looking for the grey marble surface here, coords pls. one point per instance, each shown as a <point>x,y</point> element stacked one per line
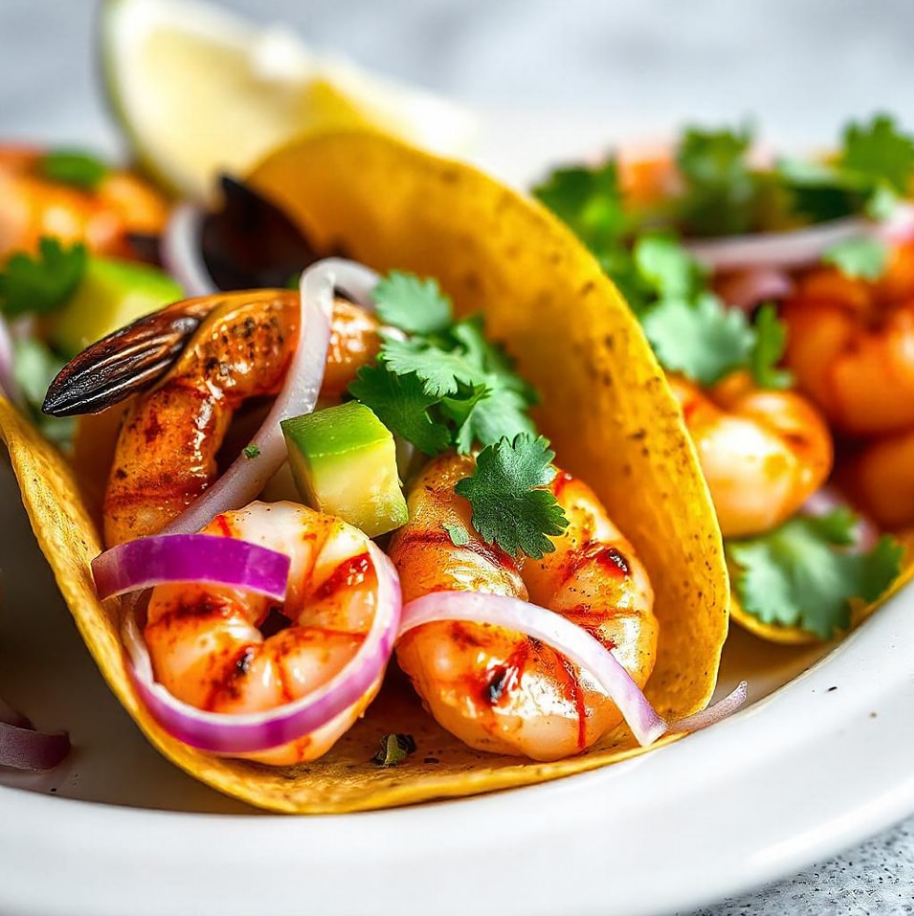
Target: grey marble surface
<point>799,66</point>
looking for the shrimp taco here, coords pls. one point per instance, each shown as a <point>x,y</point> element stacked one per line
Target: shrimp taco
<point>549,575</point>
<point>777,295</point>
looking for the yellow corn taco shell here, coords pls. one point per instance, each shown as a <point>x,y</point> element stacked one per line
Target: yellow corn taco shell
<point>605,406</point>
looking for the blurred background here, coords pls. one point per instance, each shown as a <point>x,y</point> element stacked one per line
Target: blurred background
<point>620,69</point>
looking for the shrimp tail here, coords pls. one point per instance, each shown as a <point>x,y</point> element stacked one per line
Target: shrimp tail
<point>126,362</point>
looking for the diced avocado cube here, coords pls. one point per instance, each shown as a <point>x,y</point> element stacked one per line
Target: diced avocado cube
<point>111,294</point>
<point>344,463</point>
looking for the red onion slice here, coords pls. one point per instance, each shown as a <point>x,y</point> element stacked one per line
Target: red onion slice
<point>798,247</point>
<point>23,748</point>
<point>152,561</point>
<point>255,732</point>
<point>181,253</point>
<point>745,289</point>
<point>10,716</point>
<point>575,644</point>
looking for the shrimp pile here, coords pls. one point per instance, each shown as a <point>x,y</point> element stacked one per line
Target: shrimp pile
<point>167,450</point>
<point>496,690</point>
<point>207,647</point>
<point>33,206</point>
<point>763,453</point>
<point>850,344</point>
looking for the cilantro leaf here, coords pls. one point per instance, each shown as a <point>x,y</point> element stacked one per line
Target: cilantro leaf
<point>798,575</point>
<point>441,371</point>
<point>509,507</point>
<point>770,340</point>
<point>864,257</point>
<point>493,414</point>
<point>251,451</point>
<point>721,189</point>
<point>446,384</point>
<point>874,166</point>
<point>412,304</point>
<point>667,267</point>
<point>589,201</point>
<point>402,405</point>
<point>41,284</point>
<point>73,167</point>
<point>879,151</point>
<point>703,341</point>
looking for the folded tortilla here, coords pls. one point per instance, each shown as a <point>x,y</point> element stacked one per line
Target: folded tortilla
<point>605,406</point>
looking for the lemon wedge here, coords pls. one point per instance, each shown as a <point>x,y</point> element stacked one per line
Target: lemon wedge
<point>200,91</point>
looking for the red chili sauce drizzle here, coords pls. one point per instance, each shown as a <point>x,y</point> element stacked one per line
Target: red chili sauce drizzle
<point>348,574</point>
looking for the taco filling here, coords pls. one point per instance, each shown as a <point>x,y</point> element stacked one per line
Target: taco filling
<point>295,486</point>
<point>776,294</point>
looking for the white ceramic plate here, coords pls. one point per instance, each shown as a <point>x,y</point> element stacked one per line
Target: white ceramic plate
<point>823,757</point>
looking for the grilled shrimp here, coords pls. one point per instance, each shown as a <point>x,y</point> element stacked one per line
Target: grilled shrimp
<point>167,449</point>
<point>206,644</point>
<point>762,453</point>
<point>32,206</point>
<point>497,690</point>
<point>851,346</point>
<point>879,478</point>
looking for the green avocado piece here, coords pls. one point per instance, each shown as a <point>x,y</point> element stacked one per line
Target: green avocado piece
<point>111,294</point>
<point>344,463</point>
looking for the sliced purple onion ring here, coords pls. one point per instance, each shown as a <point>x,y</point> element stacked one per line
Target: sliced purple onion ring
<point>575,644</point>
<point>745,289</point>
<point>24,748</point>
<point>798,247</point>
<point>254,732</point>
<point>216,560</point>
<point>181,253</point>
<point>247,477</point>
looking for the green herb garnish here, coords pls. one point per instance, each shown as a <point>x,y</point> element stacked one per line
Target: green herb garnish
<point>41,284</point>
<point>73,167</point>
<point>703,340</point>
<point>589,201</point>
<point>447,386</point>
<point>509,507</point>
<point>413,305</point>
<point>252,451</point>
<point>802,575</point>
<point>721,189</point>
<point>860,257</point>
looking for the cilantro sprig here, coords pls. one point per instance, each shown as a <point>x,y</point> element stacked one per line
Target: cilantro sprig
<point>722,192</point>
<point>510,508</point>
<point>689,327</point>
<point>873,168</point>
<point>447,386</point>
<point>42,283</point>
<point>804,575</point>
